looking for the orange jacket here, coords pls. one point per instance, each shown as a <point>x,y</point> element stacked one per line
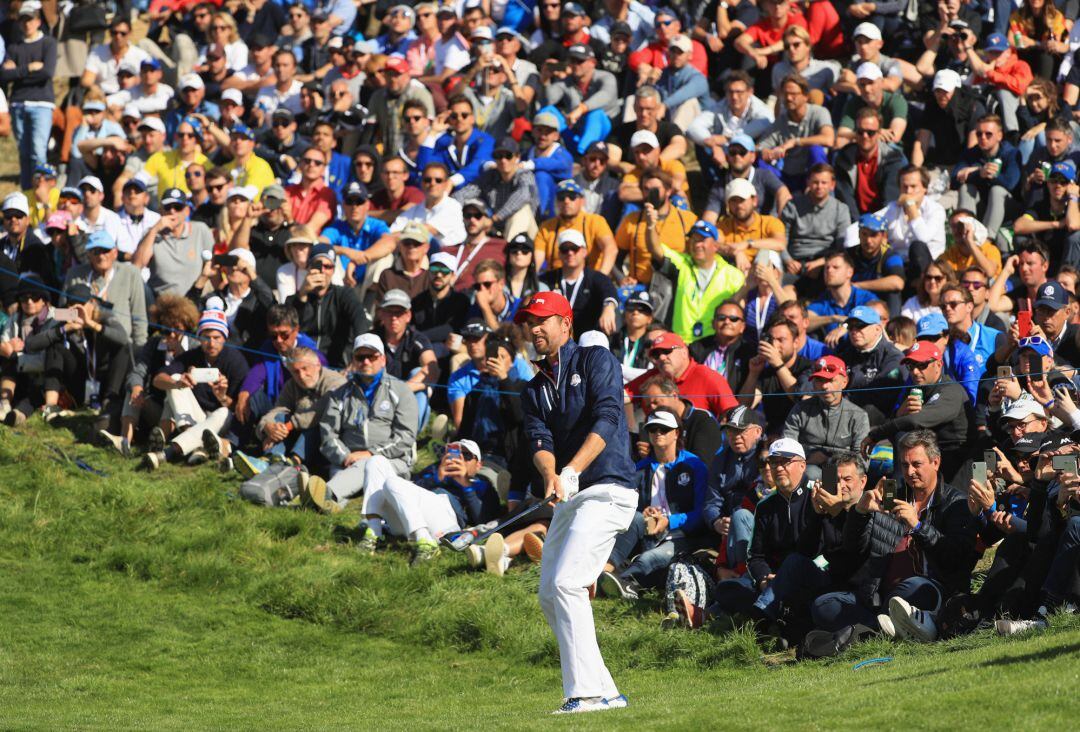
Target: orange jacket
<point>1014,74</point>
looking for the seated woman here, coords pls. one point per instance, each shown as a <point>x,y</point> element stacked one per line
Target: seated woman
<point>144,404</point>
<point>672,484</point>
<point>34,361</point>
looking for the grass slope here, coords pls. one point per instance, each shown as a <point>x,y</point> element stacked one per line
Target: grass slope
<point>160,601</point>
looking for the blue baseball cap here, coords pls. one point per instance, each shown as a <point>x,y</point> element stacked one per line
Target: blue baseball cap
<point>150,63</point>
<point>174,195</point>
<point>71,192</point>
<point>100,240</point>
<point>242,130</point>
<point>136,182</point>
<point>933,324</point>
<point>1038,344</point>
<point>865,314</point>
<point>704,229</point>
<point>570,185</point>
<point>1052,295</point>
<point>665,10</point>
<point>995,42</point>
<point>46,170</point>
<point>743,140</point>
<point>1064,168</point>
<point>872,222</point>
<point>322,250</point>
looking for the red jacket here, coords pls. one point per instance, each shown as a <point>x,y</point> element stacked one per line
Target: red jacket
<point>655,54</point>
<point>1013,74</point>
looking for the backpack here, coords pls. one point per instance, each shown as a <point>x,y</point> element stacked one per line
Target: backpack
<point>275,486</point>
<point>692,579</point>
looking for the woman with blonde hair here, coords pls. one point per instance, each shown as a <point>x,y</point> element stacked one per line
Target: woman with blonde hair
<point>223,31</point>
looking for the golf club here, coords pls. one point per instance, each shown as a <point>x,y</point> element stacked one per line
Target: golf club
<point>461,541</point>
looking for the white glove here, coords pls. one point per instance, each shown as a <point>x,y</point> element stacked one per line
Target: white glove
<point>489,165</point>
<point>568,479</point>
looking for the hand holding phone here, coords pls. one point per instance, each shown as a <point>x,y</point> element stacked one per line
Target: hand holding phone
<point>1023,322</point>
<point>205,375</point>
<point>888,495</point>
<point>830,480</point>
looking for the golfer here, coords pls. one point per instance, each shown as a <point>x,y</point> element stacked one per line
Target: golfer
<point>575,423</point>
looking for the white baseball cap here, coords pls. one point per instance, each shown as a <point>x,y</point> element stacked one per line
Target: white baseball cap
<point>93,181</point>
<point>244,254</point>
<point>446,259</point>
<point>739,188</point>
<point>786,447</point>
<point>867,30</point>
<point>246,192</point>
<point>192,81</point>
<point>1023,408</point>
<point>868,71</point>
<point>16,202</point>
<point>663,418</point>
<point>571,236</point>
<point>644,137</point>
<point>681,42</point>
<point>469,446</point>
<point>132,111</point>
<point>153,123</point>
<point>947,80</point>
<point>232,95</point>
<point>594,338</point>
<point>369,340</point>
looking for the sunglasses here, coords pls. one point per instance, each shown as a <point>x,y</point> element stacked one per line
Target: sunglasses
<point>934,278</point>
<point>568,249</point>
<point>429,179</point>
<point>658,429</point>
<point>281,335</point>
<point>31,298</point>
<point>8,215</point>
<point>666,23</point>
<point>728,318</point>
<point>972,285</point>
<point>364,164</point>
<point>439,271</point>
<point>365,357</point>
<point>518,250</point>
<point>413,117</point>
<point>950,304</point>
<point>867,133</point>
<point>312,161</point>
<point>477,286</point>
<point>282,122</point>
<point>568,196</point>
<point>502,156</point>
<point>918,366</point>
<point>658,352</point>
<point>459,115</point>
<point>186,134</point>
<point>472,215</point>
<point>218,187</point>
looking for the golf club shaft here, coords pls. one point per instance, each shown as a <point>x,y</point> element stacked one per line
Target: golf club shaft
<point>515,518</point>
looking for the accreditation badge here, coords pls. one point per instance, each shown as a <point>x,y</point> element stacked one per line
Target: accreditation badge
<point>698,330</point>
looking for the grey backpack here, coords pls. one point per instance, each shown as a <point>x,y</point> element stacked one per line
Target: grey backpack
<point>275,486</point>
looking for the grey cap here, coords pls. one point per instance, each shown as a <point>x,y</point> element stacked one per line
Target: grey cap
<point>396,299</point>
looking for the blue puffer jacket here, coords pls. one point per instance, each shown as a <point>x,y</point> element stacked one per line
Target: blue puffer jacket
<point>584,395</point>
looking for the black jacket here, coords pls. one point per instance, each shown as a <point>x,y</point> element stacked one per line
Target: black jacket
<point>945,539</point>
<point>510,447</point>
<point>592,292</point>
<point>946,410</point>
<point>778,526</point>
<point>703,433</point>
<point>878,367</point>
<point>333,320</point>
<point>736,357</point>
<point>890,160</point>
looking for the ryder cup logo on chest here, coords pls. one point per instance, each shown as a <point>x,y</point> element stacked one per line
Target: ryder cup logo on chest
<point>384,406</point>
<point>575,380</point>
<point>683,479</point>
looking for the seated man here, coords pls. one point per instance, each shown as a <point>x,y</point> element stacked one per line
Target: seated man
<point>743,231</point>
<point>868,171</point>
<point>970,246</point>
<point>841,297</point>
<point>1055,218</point>
<point>873,363</point>
<point>929,531</point>
<point>587,99</point>
<point>590,293</point>
<point>740,156</point>
<point>735,486</point>
<point>463,149</point>
<point>700,263</point>
<point>988,174</point>
<point>475,335</point>
<point>409,353</point>
<point>701,432</point>
<point>291,429</point>
<point>672,225</point>
<point>201,386</point>
<point>827,424</point>
<point>705,388</point>
<point>891,107</point>
<point>878,269</point>
<point>815,222</point>
<point>671,484</point>
<point>449,497</point>
<point>330,314</point>
<point>372,414</point>
<point>948,123</point>
<point>570,213</point>
<point>801,135</point>
<point>777,375</point>
<point>726,351</point>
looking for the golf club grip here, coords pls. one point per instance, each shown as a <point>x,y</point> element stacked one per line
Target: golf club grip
<point>515,518</point>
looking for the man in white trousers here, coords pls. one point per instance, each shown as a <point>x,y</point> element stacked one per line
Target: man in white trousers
<point>576,426</point>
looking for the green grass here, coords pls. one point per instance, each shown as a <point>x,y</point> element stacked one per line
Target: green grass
<point>161,601</point>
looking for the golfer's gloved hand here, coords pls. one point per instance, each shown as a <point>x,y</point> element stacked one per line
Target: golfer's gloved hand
<point>568,479</point>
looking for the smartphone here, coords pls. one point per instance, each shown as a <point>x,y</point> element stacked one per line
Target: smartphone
<point>888,495</point>
<point>225,260</point>
<point>65,315</point>
<point>1023,320</point>
<point>653,197</point>
<point>979,472</point>
<point>1064,464</point>
<point>1035,367</point>
<point>1004,372</point>
<point>205,375</point>
<point>830,481</point>
<point>453,453</point>
<point>492,348</point>
<point>990,458</point>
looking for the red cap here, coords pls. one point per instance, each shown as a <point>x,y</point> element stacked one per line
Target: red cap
<point>398,64</point>
<point>667,340</point>
<point>923,352</point>
<point>827,367</point>
<point>543,305</point>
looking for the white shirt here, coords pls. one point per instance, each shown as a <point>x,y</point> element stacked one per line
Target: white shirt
<point>236,55</point>
<point>445,217</point>
<point>107,221</point>
<point>106,67</point>
<point>132,233</point>
<point>755,121</point>
<point>929,228</point>
<point>290,278</point>
<point>452,54</point>
<point>155,103</point>
<point>270,98</point>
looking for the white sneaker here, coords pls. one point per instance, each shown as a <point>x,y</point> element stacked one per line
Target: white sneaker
<point>475,555</point>
<point>116,442</point>
<point>618,702</point>
<point>494,553</point>
<point>578,705</point>
<point>915,623</point>
<point>153,460</point>
<point>1015,627</point>
<point>888,629</point>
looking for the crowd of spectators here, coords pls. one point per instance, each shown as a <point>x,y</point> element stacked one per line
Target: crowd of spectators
<point>834,246</point>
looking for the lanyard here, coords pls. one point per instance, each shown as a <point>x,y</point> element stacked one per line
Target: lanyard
<point>108,281</point>
<point>699,291</point>
<point>572,296</point>
<point>760,311</point>
<point>460,266</point>
<point>630,351</point>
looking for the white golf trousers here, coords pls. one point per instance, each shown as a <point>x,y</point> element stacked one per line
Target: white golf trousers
<point>578,543</point>
<point>404,506</point>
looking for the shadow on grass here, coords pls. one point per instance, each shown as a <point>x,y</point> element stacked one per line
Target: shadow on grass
<point>1043,655</point>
